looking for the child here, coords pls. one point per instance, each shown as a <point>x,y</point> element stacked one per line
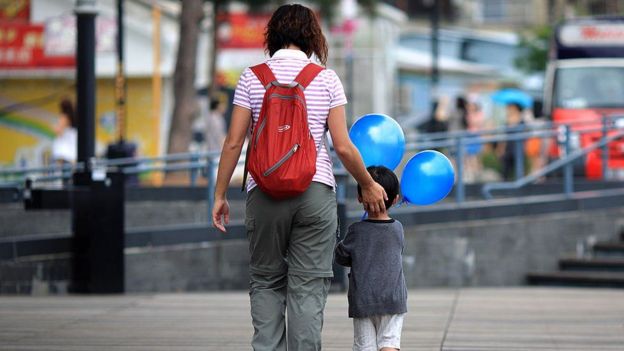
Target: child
<point>377,293</point>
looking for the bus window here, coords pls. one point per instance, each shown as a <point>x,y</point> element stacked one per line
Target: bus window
<point>589,87</point>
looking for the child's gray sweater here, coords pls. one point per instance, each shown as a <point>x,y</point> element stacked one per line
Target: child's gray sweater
<point>373,249</point>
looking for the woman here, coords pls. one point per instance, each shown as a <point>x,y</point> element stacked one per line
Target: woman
<point>291,241</point>
<point>507,150</point>
<point>64,147</point>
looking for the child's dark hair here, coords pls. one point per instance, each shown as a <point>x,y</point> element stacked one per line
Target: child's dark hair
<point>387,179</point>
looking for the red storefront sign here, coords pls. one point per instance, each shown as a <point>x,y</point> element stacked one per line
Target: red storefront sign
<point>599,34</point>
<point>242,31</point>
<point>22,46</point>
<point>15,10</point>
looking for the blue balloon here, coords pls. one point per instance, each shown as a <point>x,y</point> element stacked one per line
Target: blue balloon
<point>427,178</point>
<point>380,140</point>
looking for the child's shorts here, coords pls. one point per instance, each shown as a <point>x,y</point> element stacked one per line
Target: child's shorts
<point>376,332</point>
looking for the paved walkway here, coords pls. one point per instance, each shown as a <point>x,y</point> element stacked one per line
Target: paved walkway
<point>465,319</point>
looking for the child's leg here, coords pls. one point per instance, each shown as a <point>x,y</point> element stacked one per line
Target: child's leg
<point>364,335</point>
<point>389,332</point>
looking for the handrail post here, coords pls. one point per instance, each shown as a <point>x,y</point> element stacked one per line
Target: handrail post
<point>460,195</point>
<point>568,186</point>
<point>605,147</point>
<point>519,156</point>
<point>210,186</point>
<point>194,171</point>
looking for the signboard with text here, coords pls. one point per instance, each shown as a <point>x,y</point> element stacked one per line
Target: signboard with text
<point>242,30</point>
<point>14,11</point>
<point>599,34</point>
<point>22,46</point>
<point>60,35</point>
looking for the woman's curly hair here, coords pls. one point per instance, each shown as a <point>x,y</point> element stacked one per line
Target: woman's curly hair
<point>297,25</point>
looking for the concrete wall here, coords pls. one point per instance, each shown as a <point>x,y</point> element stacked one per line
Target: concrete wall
<point>462,245</point>
<point>36,275</point>
<point>15,222</point>
<point>499,252</point>
<point>495,252</point>
<point>219,265</point>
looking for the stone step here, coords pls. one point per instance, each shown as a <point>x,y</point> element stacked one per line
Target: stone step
<point>604,264</point>
<point>578,279</point>
<point>609,249</point>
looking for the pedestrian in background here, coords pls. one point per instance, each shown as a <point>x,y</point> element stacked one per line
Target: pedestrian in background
<point>65,144</point>
<point>439,121</point>
<point>474,120</point>
<point>507,150</point>
<point>209,129</point>
<point>215,125</point>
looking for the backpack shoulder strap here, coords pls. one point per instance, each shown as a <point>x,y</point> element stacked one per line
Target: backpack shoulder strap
<point>264,74</point>
<point>308,73</point>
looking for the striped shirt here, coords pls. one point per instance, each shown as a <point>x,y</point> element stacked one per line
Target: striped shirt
<point>324,93</point>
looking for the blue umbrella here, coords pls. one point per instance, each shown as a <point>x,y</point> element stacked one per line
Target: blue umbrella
<point>513,96</point>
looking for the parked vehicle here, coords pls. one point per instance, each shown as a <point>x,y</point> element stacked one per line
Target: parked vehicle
<point>584,82</point>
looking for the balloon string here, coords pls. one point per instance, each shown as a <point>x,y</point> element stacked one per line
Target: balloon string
<point>401,204</point>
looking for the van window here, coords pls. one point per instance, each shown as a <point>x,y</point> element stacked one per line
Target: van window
<point>589,87</point>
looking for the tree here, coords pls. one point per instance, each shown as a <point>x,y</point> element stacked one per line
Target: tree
<point>185,105</point>
<point>533,55</point>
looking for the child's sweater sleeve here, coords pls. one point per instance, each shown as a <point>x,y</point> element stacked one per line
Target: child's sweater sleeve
<point>344,249</point>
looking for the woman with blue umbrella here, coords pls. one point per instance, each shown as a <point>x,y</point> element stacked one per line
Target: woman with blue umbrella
<point>508,96</point>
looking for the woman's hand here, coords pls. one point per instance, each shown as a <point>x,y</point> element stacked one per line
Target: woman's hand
<point>232,146</point>
<point>373,197</point>
<point>220,214</point>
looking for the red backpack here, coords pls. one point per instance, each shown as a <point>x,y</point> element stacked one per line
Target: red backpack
<point>281,155</point>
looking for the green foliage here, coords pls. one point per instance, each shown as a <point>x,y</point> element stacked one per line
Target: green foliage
<point>490,161</point>
<point>369,6</point>
<point>328,8</point>
<point>257,5</point>
<point>534,45</point>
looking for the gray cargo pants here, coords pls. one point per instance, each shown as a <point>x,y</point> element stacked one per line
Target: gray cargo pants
<point>291,246</point>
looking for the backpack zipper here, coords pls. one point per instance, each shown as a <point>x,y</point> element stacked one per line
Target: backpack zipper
<point>286,97</point>
<point>282,160</point>
<point>260,128</point>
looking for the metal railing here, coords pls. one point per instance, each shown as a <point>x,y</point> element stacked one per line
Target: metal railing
<point>608,124</point>
<point>455,143</point>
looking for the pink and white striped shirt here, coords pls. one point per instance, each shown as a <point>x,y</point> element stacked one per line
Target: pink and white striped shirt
<point>324,93</point>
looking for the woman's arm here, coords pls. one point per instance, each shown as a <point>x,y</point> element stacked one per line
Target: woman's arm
<point>373,194</point>
<point>232,146</point>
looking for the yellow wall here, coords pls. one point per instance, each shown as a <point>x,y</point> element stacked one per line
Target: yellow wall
<point>139,121</point>
<point>41,97</point>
